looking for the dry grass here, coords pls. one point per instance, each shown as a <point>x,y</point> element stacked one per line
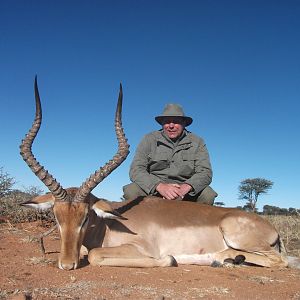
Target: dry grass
<point>263,279</point>
<point>289,230</point>
<point>40,261</point>
<point>210,292</point>
<point>80,289</point>
<point>11,210</point>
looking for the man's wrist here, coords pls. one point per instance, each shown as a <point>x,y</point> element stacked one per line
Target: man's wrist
<point>191,187</point>
<point>157,187</point>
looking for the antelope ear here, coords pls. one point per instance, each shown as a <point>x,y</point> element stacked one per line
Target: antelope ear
<point>43,202</point>
<point>105,211</point>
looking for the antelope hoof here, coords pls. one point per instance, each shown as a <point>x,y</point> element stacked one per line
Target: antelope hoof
<point>216,264</point>
<point>83,251</point>
<point>169,261</point>
<point>239,260</point>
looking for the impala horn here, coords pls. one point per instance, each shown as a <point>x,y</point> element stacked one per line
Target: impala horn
<point>25,150</point>
<point>119,157</point>
<point>54,187</point>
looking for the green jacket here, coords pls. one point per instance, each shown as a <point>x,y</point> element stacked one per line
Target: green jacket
<point>158,159</point>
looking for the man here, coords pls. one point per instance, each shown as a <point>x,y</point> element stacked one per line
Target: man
<point>172,163</point>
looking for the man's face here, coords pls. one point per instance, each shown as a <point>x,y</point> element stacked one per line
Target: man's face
<point>173,127</point>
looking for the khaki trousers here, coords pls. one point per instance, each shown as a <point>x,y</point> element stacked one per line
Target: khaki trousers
<point>207,196</point>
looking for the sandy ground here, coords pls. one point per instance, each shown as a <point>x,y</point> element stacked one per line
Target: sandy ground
<point>26,274</point>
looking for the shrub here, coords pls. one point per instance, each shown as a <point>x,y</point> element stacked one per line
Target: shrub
<point>11,209</point>
<point>289,230</point>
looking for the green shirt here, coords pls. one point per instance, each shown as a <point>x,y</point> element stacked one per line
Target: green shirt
<point>159,159</point>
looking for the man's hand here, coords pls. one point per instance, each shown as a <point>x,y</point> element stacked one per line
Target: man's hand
<point>184,189</point>
<point>173,191</point>
<point>169,191</point>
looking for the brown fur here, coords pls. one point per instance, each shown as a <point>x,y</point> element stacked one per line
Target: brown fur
<point>152,231</point>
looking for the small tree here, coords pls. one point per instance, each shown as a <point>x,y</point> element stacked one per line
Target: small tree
<point>6,183</point>
<point>33,190</point>
<point>250,189</point>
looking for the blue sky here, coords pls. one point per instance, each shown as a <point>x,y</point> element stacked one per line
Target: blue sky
<point>233,65</point>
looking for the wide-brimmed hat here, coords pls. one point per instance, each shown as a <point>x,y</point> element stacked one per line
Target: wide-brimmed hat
<point>173,110</point>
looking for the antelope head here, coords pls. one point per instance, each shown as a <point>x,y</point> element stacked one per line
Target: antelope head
<point>71,206</point>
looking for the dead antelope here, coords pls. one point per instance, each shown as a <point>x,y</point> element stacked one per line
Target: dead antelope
<point>150,231</point>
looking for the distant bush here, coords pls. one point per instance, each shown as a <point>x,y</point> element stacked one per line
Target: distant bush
<point>12,211</point>
<point>11,200</point>
<point>6,182</point>
<point>274,210</point>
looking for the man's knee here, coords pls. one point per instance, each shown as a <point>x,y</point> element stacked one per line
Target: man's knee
<point>132,191</point>
<point>207,196</point>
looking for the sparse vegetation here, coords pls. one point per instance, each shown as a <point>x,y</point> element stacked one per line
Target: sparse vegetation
<point>6,182</point>
<point>274,211</point>
<point>289,230</point>
<point>11,199</point>
<point>12,211</point>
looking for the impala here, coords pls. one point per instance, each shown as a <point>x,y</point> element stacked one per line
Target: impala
<point>150,231</point>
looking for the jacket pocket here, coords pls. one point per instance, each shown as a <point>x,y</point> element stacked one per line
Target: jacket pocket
<point>159,161</point>
<point>187,168</point>
<point>188,157</point>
